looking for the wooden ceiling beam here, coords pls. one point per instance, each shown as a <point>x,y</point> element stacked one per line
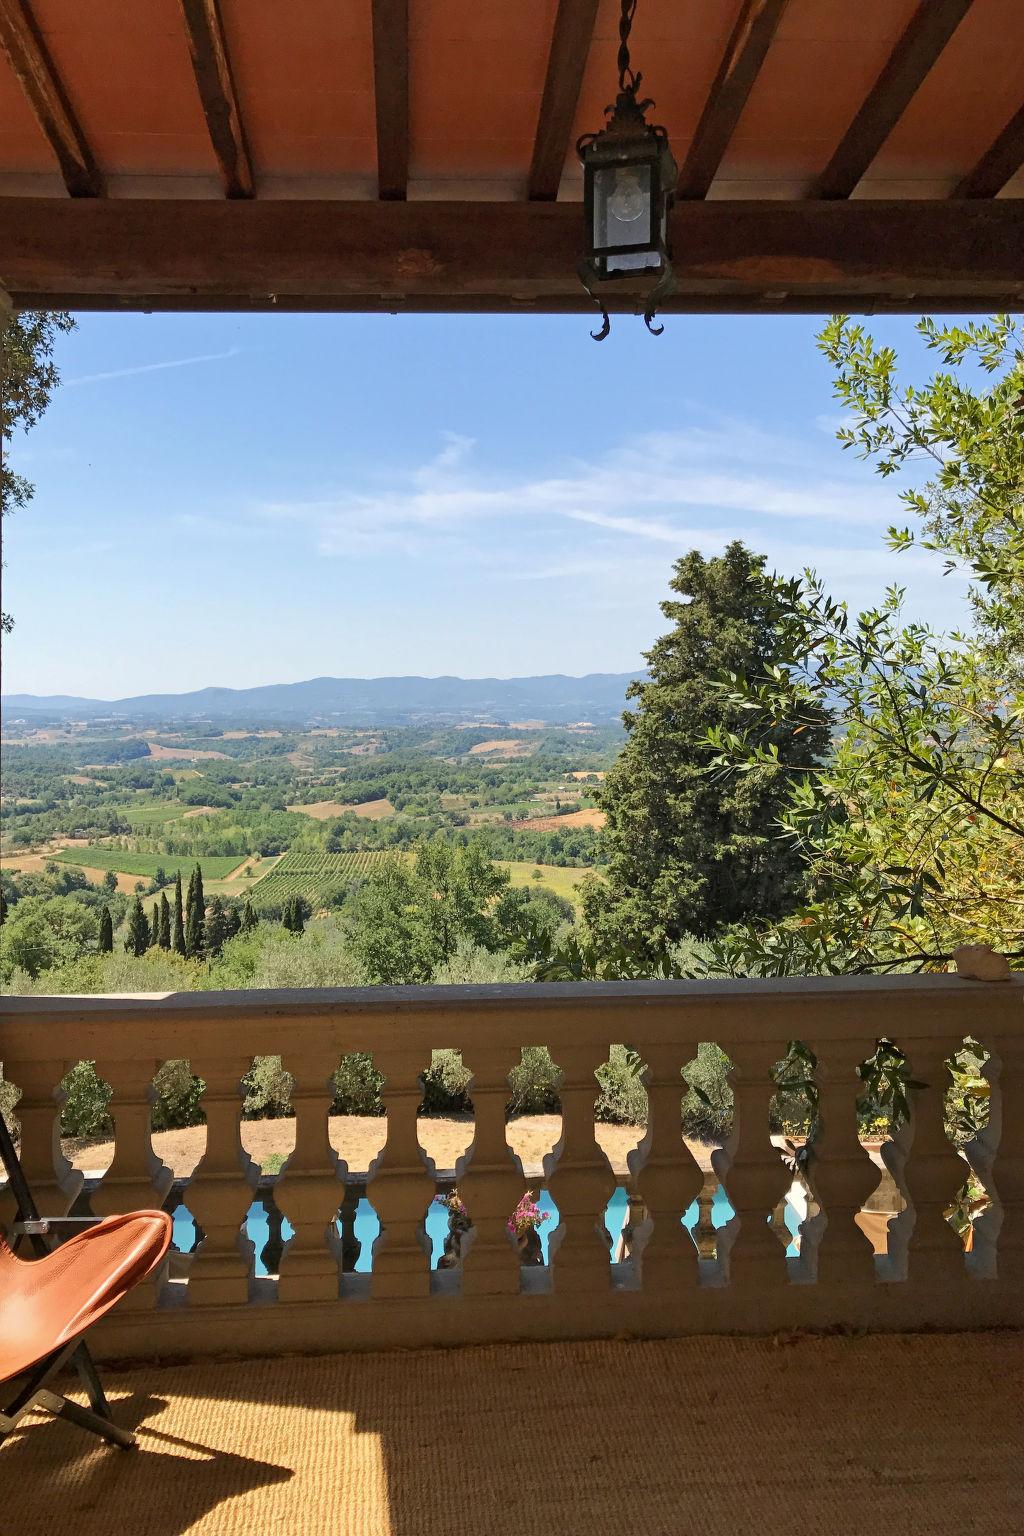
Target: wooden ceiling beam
<point>926,34</point>
<point>745,52</point>
<point>130,253</point>
<point>23,44</point>
<point>1000,161</point>
<point>391,91</point>
<point>567,60</point>
<point>212,67</point>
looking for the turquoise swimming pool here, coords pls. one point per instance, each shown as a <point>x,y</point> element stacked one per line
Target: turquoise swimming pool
<point>367,1226</point>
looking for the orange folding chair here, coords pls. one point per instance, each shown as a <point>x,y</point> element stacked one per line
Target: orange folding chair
<point>47,1303</point>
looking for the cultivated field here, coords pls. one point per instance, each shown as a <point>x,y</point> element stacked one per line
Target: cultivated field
<point>316,876</point>
<point>99,856</point>
<point>589,817</point>
<point>326,810</point>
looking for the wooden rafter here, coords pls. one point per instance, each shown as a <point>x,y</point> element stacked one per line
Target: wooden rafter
<point>1000,161</point>
<point>751,38</point>
<point>391,90</point>
<point>926,34</point>
<point>212,66</point>
<point>503,257</point>
<point>23,44</point>
<point>567,59</point>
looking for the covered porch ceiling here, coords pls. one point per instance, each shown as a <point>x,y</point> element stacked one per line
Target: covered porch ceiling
<point>419,154</point>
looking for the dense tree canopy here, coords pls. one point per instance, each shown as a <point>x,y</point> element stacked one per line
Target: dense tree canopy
<point>689,854</point>
<point>914,827</point>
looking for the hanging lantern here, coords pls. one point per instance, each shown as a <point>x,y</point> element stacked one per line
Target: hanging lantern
<point>629,183</point>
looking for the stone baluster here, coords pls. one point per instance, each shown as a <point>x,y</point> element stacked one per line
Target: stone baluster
<point>581,1183</point>
<point>756,1176</point>
<point>399,1191</point>
<point>839,1174</point>
<point>493,1182</point>
<point>935,1172</point>
<point>136,1179</point>
<point>1009,1162</point>
<point>669,1179</point>
<point>309,1189</point>
<point>53,1182</point>
<point>218,1196</point>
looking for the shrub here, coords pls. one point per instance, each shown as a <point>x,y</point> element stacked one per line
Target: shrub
<point>445,1085</point>
<point>357,1085</point>
<point>708,1111</point>
<point>534,1081</point>
<point>178,1094</point>
<point>622,1099</point>
<point>84,1111</point>
<point>268,1089</point>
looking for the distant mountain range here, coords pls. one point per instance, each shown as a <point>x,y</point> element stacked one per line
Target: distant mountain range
<point>554,700</point>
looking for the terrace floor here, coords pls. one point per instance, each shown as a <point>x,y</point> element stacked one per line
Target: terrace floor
<point>889,1435</point>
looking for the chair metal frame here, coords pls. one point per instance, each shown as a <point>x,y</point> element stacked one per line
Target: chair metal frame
<point>36,1390</point>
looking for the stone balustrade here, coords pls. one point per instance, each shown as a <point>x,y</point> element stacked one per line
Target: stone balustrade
<point>669,1283</point>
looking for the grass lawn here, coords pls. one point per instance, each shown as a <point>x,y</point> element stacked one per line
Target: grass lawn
<point>145,865</point>
<point>562,879</point>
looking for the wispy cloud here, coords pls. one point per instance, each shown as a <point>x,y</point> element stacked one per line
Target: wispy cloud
<point>645,490</point>
<point>130,373</point>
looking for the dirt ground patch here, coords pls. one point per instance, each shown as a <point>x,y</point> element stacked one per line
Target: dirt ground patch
<point>589,817</point>
<point>325,810</point>
<point>189,754</point>
<point>260,866</point>
<point>508,746</point>
<point>360,1139</point>
<point>201,810</point>
<point>588,773</point>
<point>125,883</point>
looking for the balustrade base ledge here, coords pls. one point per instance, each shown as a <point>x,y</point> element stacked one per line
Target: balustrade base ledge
<point>366,1324</point>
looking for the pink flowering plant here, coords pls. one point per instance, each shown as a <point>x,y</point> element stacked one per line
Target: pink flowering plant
<point>526,1217</point>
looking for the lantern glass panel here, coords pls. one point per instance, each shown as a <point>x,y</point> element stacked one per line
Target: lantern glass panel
<point>623,207</point>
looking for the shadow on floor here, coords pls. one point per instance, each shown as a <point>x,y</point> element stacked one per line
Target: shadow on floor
<point>714,1437</point>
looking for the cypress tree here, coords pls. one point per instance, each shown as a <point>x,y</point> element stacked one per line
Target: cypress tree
<point>3,909</point>
<point>216,926</point>
<point>178,928</point>
<point>137,941</point>
<point>195,915</point>
<point>165,922</point>
<point>232,921</point>
<point>106,932</point>
<point>154,924</point>
<point>249,918</point>
<point>690,852</point>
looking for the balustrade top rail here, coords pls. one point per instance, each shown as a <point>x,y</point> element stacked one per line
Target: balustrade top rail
<point>927,1276</point>
<point>815,1007</point>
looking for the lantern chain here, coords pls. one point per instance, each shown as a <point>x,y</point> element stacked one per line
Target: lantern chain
<point>627,80</point>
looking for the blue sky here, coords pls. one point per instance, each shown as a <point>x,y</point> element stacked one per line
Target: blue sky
<point>234,500</point>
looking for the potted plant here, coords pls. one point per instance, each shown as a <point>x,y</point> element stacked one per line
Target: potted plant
<point>458,1224</point>
<point>523,1227</point>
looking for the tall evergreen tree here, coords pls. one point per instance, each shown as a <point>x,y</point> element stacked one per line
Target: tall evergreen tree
<point>249,918</point>
<point>137,941</point>
<point>106,932</point>
<point>691,851</point>
<point>165,922</point>
<point>3,909</point>
<point>195,916</point>
<point>232,921</point>
<point>216,926</point>
<point>178,926</point>
<point>154,924</point>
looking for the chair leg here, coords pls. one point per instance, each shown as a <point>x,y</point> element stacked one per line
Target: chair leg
<point>96,1423</point>
<point>91,1381</point>
<point>36,1393</point>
